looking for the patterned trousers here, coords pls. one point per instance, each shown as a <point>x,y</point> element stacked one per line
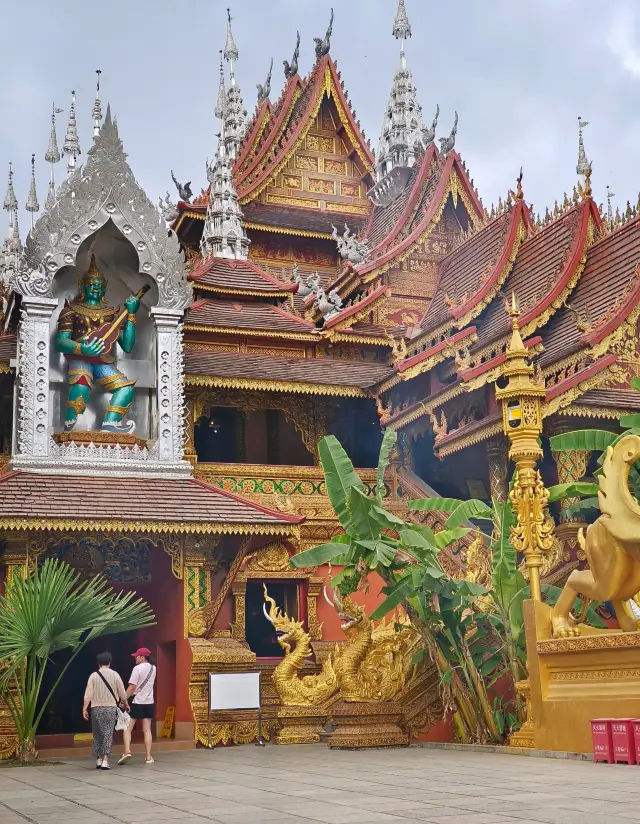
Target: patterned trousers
<point>103,722</point>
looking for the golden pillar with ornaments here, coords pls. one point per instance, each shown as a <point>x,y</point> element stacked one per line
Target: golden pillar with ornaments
<point>521,399</point>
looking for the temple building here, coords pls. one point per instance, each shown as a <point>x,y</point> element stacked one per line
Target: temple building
<point>314,286</point>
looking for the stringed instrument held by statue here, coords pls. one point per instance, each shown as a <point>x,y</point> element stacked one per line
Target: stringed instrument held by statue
<point>109,331</point>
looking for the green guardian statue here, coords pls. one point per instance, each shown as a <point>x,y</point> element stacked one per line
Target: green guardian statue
<point>88,332</point>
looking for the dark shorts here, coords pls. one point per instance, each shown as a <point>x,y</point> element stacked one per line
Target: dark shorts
<point>142,710</point>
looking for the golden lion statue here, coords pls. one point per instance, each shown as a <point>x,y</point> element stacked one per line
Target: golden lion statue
<point>612,546</point>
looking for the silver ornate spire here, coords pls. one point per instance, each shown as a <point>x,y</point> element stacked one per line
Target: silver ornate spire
<point>52,155</point>
<point>265,91</point>
<point>230,48</point>
<point>235,120</point>
<point>583,164</point>
<point>15,244</point>
<point>71,146</point>
<point>224,235</point>
<point>401,27</point>
<point>221,104</point>
<point>10,201</point>
<point>96,114</point>
<point>32,204</point>
<point>402,135</point>
<point>610,195</point>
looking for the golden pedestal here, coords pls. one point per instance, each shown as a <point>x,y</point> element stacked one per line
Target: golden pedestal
<point>301,725</point>
<point>84,437</point>
<point>573,680</point>
<point>367,724</point>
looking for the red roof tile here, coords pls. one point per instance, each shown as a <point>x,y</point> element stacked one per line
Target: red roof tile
<point>26,495</point>
<point>599,298</point>
<point>321,371</point>
<point>613,398</point>
<point>236,276</point>
<point>8,347</point>
<point>472,268</point>
<point>246,315</point>
<point>544,264</point>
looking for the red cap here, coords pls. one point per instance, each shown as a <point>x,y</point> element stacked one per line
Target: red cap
<point>142,651</point>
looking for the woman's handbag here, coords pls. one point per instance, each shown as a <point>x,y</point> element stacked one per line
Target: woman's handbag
<point>123,719</point>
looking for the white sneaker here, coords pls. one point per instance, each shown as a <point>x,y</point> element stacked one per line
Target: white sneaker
<point>105,765</point>
<point>124,758</point>
<point>98,763</point>
<point>149,760</point>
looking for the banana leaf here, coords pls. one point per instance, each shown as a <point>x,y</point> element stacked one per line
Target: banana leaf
<point>318,555</point>
<point>593,440</point>
<point>340,476</point>
<point>396,594</point>
<point>362,525</point>
<point>466,510</point>
<point>388,443</point>
<point>586,506</point>
<point>576,489</point>
<point>630,421</point>
<point>635,384</point>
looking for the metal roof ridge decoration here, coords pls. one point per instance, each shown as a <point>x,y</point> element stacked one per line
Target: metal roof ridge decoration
<point>403,137</point>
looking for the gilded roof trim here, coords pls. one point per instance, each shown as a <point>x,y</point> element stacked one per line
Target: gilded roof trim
<point>273,385</point>
<point>172,527</point>
<point>260,293</point>
<point>285,230</point>
<point>463,441</point>
<point>251,332</point>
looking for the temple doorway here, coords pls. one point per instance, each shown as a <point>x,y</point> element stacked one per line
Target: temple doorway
<point>260,633</point>
<point>63,715</point>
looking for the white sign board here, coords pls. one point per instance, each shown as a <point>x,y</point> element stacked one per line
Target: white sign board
<point>234,691</point>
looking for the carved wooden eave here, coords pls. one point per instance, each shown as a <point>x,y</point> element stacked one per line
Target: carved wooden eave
<point>468,435</point>
<point>212,381</point>
<point>265,167</point>
<point>447,348</point>
<point>603,372</point>
<point>489,371</point>
<point>421,409</point>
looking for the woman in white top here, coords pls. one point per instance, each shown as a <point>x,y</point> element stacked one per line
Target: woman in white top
<point>140,687</point>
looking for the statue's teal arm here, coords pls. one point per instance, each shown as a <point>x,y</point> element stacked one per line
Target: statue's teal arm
<point>64,343</point>
<point>127,339</point>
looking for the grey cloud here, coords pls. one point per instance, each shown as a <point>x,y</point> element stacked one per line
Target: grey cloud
<point>519,74</point>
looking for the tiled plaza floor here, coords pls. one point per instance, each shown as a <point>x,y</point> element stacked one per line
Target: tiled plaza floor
<point>305,784</point>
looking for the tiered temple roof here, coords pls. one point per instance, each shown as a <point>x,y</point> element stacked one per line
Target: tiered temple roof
<point>425,293</point>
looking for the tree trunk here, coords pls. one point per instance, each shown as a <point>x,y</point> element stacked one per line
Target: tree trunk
<point>26,750</point>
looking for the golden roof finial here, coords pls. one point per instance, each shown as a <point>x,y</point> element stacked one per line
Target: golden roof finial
<point>516,347</point>
<point>93,271</point>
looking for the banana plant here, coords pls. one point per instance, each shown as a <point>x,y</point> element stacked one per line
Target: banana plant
<point>405,555</point>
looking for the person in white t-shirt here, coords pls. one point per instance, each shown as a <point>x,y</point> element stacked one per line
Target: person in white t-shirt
<point>140,687</point>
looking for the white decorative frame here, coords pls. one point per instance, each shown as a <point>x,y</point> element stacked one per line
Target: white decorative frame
<point>104,190</point>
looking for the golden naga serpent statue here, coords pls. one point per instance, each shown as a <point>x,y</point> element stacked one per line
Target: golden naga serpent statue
<point>374,664</point>
<point>612,546</point>
<point>295,691</point>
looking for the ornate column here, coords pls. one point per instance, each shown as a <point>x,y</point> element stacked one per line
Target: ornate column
<point>189,429</point>
<point>31,398</point>
<point>498,460</point>
<point>170,390</point>
<point>571,467</point>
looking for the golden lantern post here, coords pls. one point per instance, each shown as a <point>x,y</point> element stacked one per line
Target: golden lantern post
<point>521,399</point>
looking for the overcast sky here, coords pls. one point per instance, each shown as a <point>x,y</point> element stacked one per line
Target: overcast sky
<point>519,72</point>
